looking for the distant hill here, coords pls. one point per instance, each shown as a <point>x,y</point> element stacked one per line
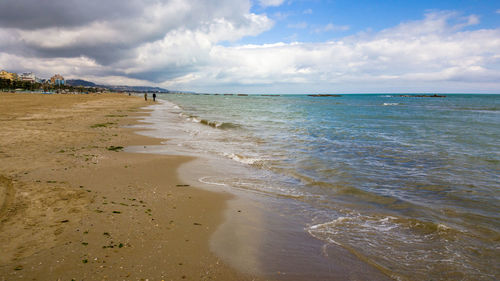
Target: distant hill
<point>79,82</point>
<point>84,83</point>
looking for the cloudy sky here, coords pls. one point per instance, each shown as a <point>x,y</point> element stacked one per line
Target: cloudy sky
<point>259,46</point>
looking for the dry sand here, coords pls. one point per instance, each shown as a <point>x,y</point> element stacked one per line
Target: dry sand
<point>73,209</point>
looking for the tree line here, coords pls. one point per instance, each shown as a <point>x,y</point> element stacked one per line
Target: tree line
<point>11,85</point>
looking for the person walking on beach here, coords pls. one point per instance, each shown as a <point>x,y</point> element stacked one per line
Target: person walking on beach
<point>145,96</point>
<point>154,97</point>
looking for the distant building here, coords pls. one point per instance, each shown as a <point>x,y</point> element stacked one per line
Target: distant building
<point>8,75</point>
<point>57,80</point>
<point>28,77</point>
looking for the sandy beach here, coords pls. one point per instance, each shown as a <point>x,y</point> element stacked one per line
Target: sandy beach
<point>76,207</point>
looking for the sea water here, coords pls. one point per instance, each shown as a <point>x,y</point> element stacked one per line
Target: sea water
<point>408,184</point>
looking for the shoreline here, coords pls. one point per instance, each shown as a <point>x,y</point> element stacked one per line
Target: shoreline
<point>76,207</point>
<point>261,234</point>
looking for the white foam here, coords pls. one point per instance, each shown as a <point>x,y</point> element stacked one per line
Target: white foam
<point>168,103</point>
<point>203,180</point>
<point>242,159</point>
<point>330,223</point>
<point>359,222</point>
<point>390,103</point>
<point>442,227</point>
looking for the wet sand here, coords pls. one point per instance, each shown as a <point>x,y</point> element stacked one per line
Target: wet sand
<point>74,206</point>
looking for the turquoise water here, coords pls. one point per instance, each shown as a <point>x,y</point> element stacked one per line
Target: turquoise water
<point>408,184</point>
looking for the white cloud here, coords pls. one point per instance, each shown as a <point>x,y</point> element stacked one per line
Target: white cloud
<point>110,38</point>
<point>268,3</point>
<point>161,33</point>
<point>281,15</point>
<point>473,20</point>
<point>429,53</point>
<point>331,27</point>
<point>171,45</point>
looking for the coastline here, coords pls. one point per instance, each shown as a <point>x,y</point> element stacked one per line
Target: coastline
<point>261,234</point>
<point>360,227</point>
<point>76,207</point>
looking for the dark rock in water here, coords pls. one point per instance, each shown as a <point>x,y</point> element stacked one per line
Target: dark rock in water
<point>242,95</point>
<point>324,95</point>
<point>422,96</point>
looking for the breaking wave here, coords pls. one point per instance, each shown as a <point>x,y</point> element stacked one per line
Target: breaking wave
<point>213,124</point>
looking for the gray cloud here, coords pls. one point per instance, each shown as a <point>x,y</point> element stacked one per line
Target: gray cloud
<point>37,14</point>
<point>105,31</point>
